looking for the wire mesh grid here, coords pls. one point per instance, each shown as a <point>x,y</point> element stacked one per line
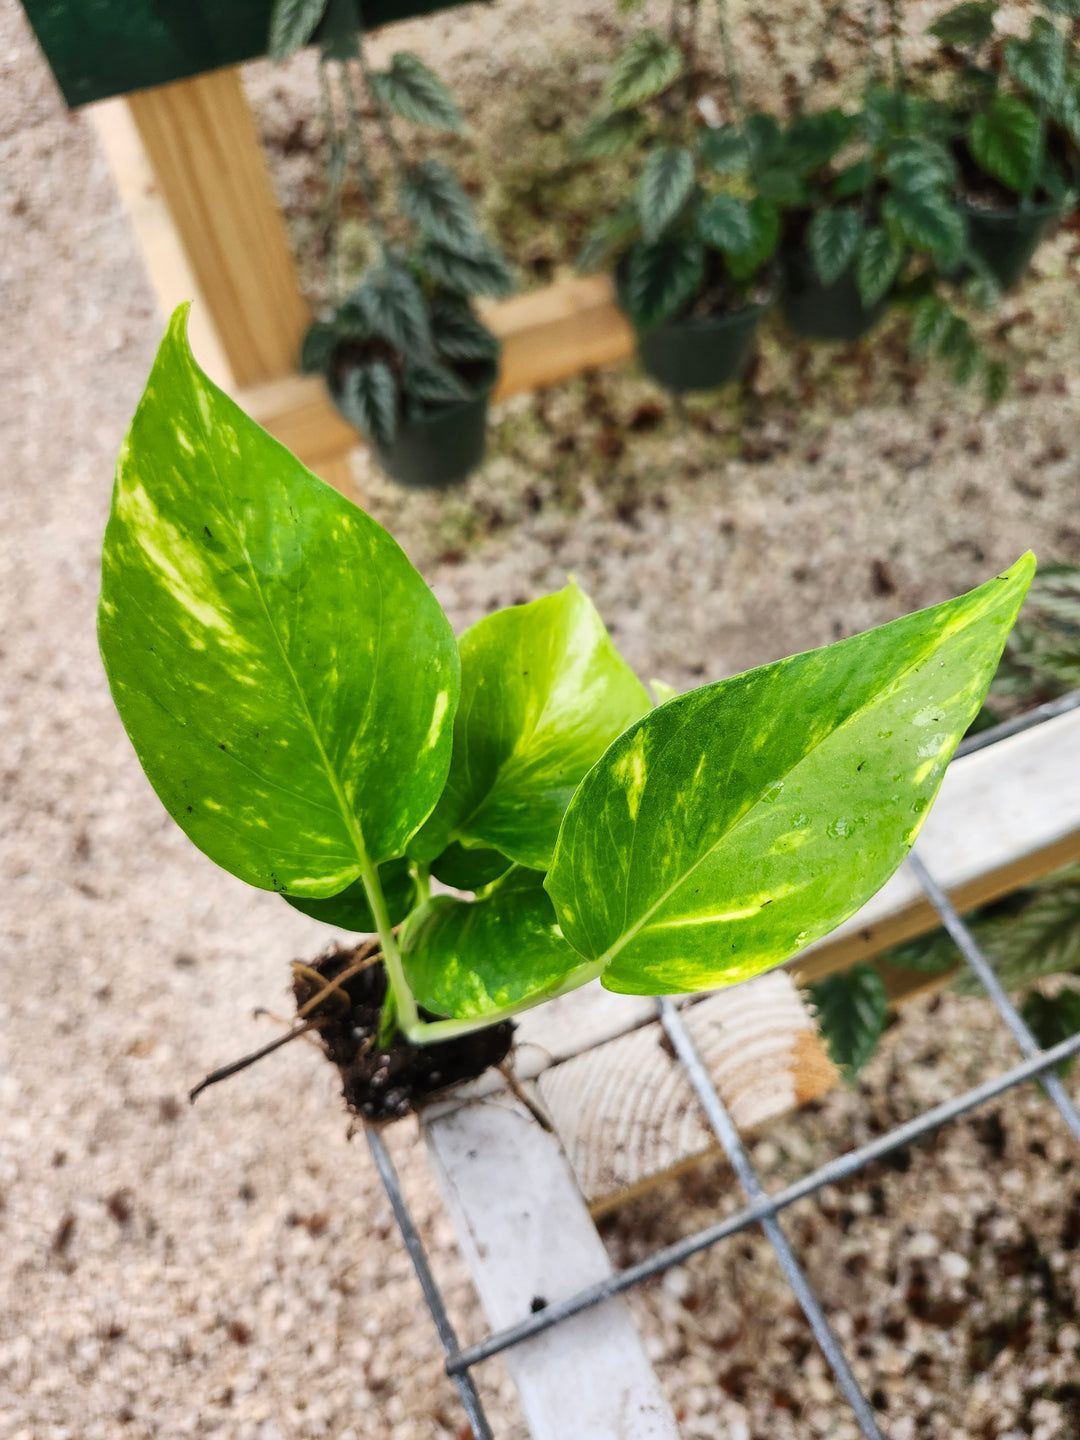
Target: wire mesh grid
<point>764,1209</point>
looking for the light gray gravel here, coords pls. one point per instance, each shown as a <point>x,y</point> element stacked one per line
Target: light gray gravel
<point>231,1270</point>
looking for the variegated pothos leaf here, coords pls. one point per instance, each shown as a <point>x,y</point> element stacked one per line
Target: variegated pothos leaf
<point>287,678</point>
<point>737,823</point>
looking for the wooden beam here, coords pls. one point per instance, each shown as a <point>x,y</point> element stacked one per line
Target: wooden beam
<point>557,332</point>
<point>167,264</point>
<point>202,145</point>
<point>626,1113</point>
<point>188,165</point>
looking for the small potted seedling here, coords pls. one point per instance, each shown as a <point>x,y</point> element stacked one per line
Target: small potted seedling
<point>1016,104</point>
<point>691,248</point>
<point>404,356</point>
<point>300,704</point>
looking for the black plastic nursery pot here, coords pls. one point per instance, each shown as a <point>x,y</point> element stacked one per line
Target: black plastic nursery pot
<point>437,450</point>
<point>699,354</point>
<point>1006,239</point>
<point>440,449</point>
<point>825,312</point>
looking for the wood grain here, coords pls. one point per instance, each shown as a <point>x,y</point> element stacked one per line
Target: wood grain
<point>626,1113</point>
<point>557,332</point>
<point>201,141</point>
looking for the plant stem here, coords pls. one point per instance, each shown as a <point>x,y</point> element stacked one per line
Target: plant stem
<point>818,66</point>
<point>367,180</point>
<point>898,77</point>
<point>399,1006</point>
<point>335,174</point>
<point>869,126</point>
<point>690,43</point>
<point>732,75</point>
<point>424,1032</point>
<point>1038,156</point>
<point>422,877</point>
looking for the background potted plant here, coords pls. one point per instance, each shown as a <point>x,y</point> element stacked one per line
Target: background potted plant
<point>868,201</point>
<point>404,356</point>
<point>692,248</point>
<point>1016,112</point>
<point>305,713</point>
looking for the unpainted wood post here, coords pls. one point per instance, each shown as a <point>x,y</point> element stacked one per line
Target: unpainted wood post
<point>201,141</point>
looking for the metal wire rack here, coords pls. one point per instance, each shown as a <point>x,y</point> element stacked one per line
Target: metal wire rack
<point>764,1209</point>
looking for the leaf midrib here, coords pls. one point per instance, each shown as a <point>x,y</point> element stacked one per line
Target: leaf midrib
<point>352,825</point>
<point>642,923</point>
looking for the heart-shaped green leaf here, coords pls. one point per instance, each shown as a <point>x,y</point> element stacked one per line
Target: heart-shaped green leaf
<point>658,280</point>
<point>927,219</point>
<point>724,223</point>
<point>466,958</point>
<point>431,195</point>
<point>969,24</point>
<point>1038,63</point>
<point>737,823</point>
<point>544,692</point>
<point>416,93</point>
<point>646,67</point>
<point>880,258</point>
<point>287,678</point>
<point>764,238</point>
<point>292,24</point>
<point>725,149</point>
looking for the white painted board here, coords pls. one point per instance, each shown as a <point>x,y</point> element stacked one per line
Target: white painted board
<point>525,1234</point>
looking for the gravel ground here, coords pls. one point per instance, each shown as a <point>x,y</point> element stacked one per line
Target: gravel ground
<point>231,1270</point>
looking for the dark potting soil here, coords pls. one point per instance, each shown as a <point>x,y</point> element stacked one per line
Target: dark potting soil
<point>385,1085</point>
<point>720,294</point>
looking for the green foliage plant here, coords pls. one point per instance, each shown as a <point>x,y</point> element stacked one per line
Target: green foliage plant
<point>303,710</point>
<point>405,342</point>
<point>694,238</point>
<point>1015,101</point>
<point>872,193</point>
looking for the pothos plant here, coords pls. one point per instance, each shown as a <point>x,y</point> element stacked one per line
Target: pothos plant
<point>1016,100</point>
<point>404,342</point>
<point>694,237</point>
<point>300,704</point>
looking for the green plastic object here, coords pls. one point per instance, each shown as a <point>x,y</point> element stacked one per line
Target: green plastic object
<point>699,354</point>
<point>1007,239</point>
<point>98,49</point>
<point>825,312</point>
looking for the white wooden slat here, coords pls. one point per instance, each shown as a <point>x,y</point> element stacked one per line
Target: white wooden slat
<point>526,1234</point>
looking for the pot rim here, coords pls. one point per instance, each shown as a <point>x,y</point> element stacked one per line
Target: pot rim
<point>1044,209</point>
<point>753,309</point>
